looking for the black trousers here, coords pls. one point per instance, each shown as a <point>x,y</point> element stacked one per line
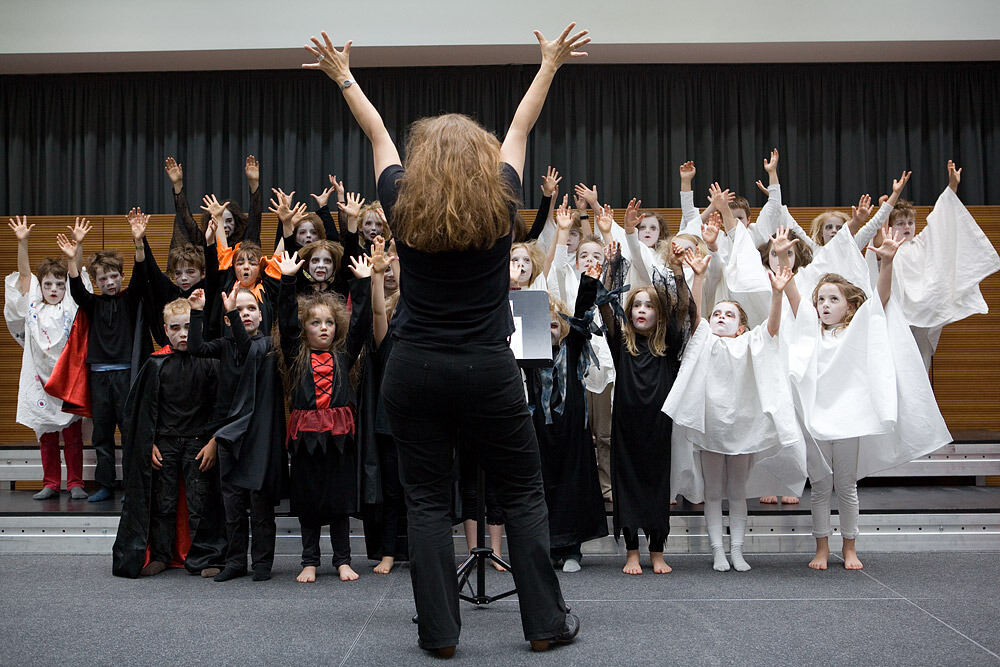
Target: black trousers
<point>108,391</point>
<point>654,538</point>
<point>238,503</point>
<point>393,504</point>
<point>437,398</point>
<point>178,459</point>
<point>468,487</point>
<point>340,540</point>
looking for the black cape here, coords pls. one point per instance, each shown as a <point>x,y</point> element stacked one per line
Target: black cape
<point>566,448</point>
<point>208,545</point>
<point>252,454</point>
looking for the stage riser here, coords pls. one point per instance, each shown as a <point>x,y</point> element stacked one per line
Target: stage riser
<point>880,533</point>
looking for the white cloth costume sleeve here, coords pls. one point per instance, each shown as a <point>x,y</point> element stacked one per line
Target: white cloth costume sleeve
<point>745,278</point>
<point>936,276</point>
<point>547,236</point>
<point>870,228</point>
<point>42,330</point>
<point>731,396</point>
<point>690,217</point>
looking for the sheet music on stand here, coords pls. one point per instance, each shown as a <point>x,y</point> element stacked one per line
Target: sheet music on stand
<point>531,341</point>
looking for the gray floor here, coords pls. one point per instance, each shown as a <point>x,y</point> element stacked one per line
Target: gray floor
<point>914,609</point>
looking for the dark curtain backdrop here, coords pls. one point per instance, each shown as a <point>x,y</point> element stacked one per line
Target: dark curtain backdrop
<point>96,143</point>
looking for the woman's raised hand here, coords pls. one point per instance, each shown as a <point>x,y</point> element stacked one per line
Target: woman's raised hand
<point>554,52</point>
<point>335,64</point>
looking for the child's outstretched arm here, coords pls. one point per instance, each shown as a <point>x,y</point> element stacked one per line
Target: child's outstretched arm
<point>22,231</point>
<point>720,200</point>
<point>197,345</point>
<point>612,257</point>
<point>589,195</point>
<point>186,230</point>
<point>699,265</point>
<point>323,211</point>
<point>252,170</point>
<point>78,232</point>
<point>550,188</point>
<point>379,262</point>
<point>779,283</point>
<point>564,221</point>
<point>781,244</point>
<point>361,307</point>
<point>886,252</point>
<point>954,176</point>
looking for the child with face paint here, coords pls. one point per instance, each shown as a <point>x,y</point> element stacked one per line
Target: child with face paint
<point>865,404</point>
<point>318,347</point>
<point>40,316</point>
<point>937,272</point>
<point>735,431</point>
<point>253,464</point>
<point>646,340</point>
<point>528,267</point>
<point>112,341</point>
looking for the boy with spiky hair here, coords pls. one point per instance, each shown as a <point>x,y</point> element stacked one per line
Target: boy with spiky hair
<point>117,340</point>
<point>166,443</point>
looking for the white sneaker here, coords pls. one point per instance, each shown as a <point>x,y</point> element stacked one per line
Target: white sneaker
<point>571,565</point>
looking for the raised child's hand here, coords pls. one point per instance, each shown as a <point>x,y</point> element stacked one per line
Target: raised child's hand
<point>80,229</point>
<point>252,169</point>
<point>688,171</point>
<point>361,267</point>
<point>632,215</point>
<point>137,220</point>
<point>611,250</point>
<point>290,265</point>
<point>698,264</point>
<point>710,229</point>
<point>594,271</point>
<point>954,176</point>
<point>780,279</point>
<point>564,219</point>
<point>863,210</point>
<point>197,300</point>
<point>229,300</point>
<point>605,220</point>
<point>589,195</point>
<point>352,209</point>
<point>550,182</point>
<point>19,225</point>
<point>174,169</point>
<point>212,206</point>
<point>720,198</point>
<point>891,240</point>
<point>771,164</point>
<point>324,196</point>
<point>898,185</point>
<point>67,246</point>
<point>781,242</point>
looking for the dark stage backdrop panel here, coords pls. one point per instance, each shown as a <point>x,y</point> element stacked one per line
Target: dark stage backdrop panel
<point>96,143</point>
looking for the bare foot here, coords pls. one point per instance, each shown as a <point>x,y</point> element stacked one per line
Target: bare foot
<point>347,574</point>
<point>384,566</point>
<point>769,500</point>
<point>659,565</point>
<point>789,500</point>
<point>673,502</point>
<point>307,575</point>
<point>632,563</point>
<point>851,561</point>
<point>822,554</point>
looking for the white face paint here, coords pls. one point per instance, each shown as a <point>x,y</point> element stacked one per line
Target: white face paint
<point>905,225</point>
<point>53,289</point>
<point>588,255</point>
<point>831,226</point>
<point>741,215</point>
<point>725,320</point>
<point>554,331</point>
<point>573,242</point>
<point>321,265</point>
<point>521,258</point>
<point>648,231</point>
<point>643,313</point>
<point>228,223</point>
<point>306,233</point>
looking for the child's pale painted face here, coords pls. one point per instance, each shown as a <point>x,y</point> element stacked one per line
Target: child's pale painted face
<point>109,282</point>
<point>685,245</point>
<point>643,313</point>
<point>247,270</point>
<point>648,231</point>
<point>831,226</point>
<point>187,275</point>
<point>554,330</point>
<point>53,289</point>
<point>906,225</point>
<point>573,242</point>
<point>831,305</point>
<point>306,233</point>
<point>371,226</point>
<point>320,328</point>
<point>725,320</point>
<point>520,259</point>
<point>773,259</point>
<point>742,216</point>
<point>321,265</point>
<point>176,328</point>
<point>249,311</point>
<point>228,223</point>
<point>391,281</point>
<point>588,255</point>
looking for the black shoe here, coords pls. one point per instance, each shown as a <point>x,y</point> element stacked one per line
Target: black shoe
<point>261,573</point>
<point>444,652</point>
<point>569,632</point>
<point>229,573</point>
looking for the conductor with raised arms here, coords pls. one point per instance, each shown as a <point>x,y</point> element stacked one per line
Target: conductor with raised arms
<point>451,376</point>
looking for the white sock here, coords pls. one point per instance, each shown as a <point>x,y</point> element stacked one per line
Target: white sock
<point>720,564</point>
<point>736,553</point>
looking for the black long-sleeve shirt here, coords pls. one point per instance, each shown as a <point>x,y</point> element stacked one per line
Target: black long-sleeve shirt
<point>112,319</point>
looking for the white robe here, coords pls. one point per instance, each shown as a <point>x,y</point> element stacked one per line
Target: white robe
<point>42,329</point>
<point>731,397</point>
<point>866,381</point>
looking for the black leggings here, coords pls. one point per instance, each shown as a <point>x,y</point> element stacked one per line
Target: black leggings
<point>655,538</point>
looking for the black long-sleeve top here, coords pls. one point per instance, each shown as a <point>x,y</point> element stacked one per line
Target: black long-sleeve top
<point>161,290</point>
<point>112,319</point>
<point>231,351</point>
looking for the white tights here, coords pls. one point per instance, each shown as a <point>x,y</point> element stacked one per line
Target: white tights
<point>726,476</point>
<point>842,456</point>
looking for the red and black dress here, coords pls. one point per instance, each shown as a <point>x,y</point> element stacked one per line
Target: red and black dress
<point>321,427</point>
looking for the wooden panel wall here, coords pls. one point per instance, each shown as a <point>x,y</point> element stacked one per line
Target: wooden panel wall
<point>966,371</point>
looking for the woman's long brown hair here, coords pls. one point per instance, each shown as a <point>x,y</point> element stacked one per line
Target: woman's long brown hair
<point>452,196</point>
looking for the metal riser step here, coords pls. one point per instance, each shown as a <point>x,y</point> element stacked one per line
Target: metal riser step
<point>765,534</point>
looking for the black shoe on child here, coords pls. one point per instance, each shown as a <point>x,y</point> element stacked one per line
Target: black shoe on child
<point>261,573</point>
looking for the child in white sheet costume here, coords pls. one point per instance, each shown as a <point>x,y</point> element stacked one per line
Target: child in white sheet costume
<point>735,431</point>
<point>862,394</point>
<point>936,273</point>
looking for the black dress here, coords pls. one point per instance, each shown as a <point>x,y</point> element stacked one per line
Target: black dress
<point>569,465</point>
<point>323,485</point>
<point>640,431</point>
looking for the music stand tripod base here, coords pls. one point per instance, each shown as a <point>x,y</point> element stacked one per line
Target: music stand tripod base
<point>480,556</point>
